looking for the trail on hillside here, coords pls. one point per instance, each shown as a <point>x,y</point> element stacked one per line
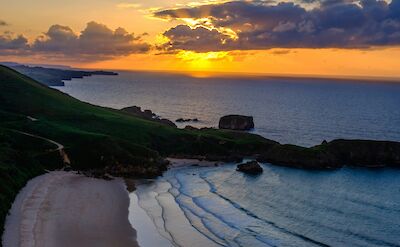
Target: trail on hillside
<point>60,148</point>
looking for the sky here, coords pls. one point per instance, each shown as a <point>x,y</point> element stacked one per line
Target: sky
<point>299,37</point>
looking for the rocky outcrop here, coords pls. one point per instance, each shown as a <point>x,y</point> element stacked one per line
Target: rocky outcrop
<point>236,122</point>
<point>364,153</point>
<point>189,127</point>
<point>252,168</point>
<point>165,122</point>
<point>183,120</point>
<point>336,154</point>
<point>148,115</point>
<point>137,111</point>
<point>299,157</point>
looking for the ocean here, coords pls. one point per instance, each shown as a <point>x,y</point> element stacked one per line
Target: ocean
<point>217,206</point>
<point>296,111</point>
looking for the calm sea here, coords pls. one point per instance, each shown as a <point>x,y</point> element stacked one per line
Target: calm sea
<point>217,206</point>
<point>296,111</point>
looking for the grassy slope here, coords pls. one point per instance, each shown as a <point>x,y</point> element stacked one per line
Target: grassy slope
<point>97,137</point>
<point>93,136</point>
<point>62,116</point>
<point>21,158</point>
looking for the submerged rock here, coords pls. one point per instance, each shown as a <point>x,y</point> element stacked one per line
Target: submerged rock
<point>236,122</point>
<point>252,167</point>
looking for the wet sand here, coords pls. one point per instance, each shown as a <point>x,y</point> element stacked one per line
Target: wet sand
<point>64,209</point>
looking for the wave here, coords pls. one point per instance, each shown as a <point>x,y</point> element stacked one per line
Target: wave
<point>210,201</point>
<point>213,190</point>
<point>298,218</point>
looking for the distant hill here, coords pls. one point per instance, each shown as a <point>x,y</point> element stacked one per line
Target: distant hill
<point>53,75</point>
<point>49,66</point>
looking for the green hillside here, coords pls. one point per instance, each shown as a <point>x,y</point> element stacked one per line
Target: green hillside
<point>94,137</point>
<point>34,118</point>
<point>77,124</point>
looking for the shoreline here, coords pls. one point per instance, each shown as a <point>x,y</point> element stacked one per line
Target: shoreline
<point>65,209</point>
<point>147,233</point>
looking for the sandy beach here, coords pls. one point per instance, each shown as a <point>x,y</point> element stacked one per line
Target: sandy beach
<point>64,210</point>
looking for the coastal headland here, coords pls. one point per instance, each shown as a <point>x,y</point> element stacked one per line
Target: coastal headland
<point>104,141</point>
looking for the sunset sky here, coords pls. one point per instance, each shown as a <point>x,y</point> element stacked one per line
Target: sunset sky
<point>308,37</point>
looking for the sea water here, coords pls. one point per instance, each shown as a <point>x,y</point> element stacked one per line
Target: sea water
<point>218,206</point>
<point>288,110</point>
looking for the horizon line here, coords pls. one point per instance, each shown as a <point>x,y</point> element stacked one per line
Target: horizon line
<point>211,74</point>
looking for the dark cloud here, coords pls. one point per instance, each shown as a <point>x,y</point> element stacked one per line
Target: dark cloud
<point>96,42</point>
<point>262,25</point>
<point>3,23</point>
<point>11,45</point>
<point>200,38</point>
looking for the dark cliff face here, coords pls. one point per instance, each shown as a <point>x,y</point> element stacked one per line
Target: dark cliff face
<point>364,152</point>
<point>236,122</point>
<point>336,154</point>
<point>299,157</point>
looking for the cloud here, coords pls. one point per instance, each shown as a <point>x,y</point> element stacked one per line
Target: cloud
<point>13,45</point>
<point>96,42</point>
<point>3,23</point>
<point>266,25</point>
<point>198,39</point>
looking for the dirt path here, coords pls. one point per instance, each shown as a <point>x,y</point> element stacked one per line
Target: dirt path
<point>60,148</point>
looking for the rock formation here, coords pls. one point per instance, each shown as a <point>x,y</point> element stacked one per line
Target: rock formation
<point>236,122</point>
<point>251,167</point>
<point>148,115</point>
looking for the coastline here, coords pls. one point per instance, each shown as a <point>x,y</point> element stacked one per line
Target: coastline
<point>66,209</point>
<point>200,205</point>
<point>147,233</point>
<point>59,195</point>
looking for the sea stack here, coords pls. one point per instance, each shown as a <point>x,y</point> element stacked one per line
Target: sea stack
<point>236,122</point>
<point>251,167</point>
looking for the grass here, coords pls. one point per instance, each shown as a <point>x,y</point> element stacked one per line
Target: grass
<point>98,137</point>
<point>60,116</point>
<point>94,137</point>
<point>21,158</point>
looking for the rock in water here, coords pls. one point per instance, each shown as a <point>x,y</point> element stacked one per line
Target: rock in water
<point>236,122</point>
<point>148,115</point>
<point>251,167</point>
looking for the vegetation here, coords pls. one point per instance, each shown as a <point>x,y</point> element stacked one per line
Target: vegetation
<point>123,144</point>
<point>82,127</point>
<point>53,76</point>
<point>21,158</point>
<point>94,137</point>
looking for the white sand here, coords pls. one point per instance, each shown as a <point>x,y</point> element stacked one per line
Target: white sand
<point>68,210</point>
